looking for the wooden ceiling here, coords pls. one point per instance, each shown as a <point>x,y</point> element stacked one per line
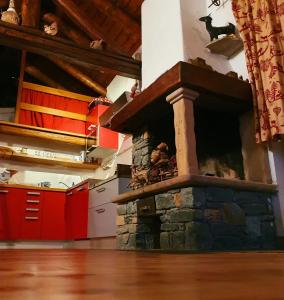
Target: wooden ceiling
<point>116,22</point>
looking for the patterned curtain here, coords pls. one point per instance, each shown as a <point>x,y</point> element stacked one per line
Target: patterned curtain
<point>261,25</point>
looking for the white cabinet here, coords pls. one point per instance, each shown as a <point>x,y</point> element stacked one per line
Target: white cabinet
<point>102,212</point>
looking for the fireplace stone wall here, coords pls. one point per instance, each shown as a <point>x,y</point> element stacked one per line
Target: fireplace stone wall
<point>199,219</point>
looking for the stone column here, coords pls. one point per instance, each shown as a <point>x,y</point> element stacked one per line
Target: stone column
<point>183,101</point>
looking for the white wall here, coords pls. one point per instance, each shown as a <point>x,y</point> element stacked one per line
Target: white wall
<point>195,36</point>
<point>118,86</point>
<point>221,16</point>
<point>162,39</point>
<point>171,32</point>
<point>278,167</point>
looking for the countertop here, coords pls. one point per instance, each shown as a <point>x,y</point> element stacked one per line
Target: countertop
<point>30,187</point>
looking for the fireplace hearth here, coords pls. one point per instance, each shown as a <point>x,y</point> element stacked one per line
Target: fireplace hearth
<point>199,180</point>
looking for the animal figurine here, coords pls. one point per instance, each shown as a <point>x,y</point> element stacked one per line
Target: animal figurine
<point>51,29</point>
<point>214,32</point>
<point>98,44</point>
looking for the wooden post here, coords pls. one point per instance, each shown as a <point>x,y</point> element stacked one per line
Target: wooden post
<point>20,84</point>
<point>255,156</point>
<point>182,100</point>
<point>31,13</point>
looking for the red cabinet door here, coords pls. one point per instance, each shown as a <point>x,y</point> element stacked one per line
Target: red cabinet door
<point>80,212</point>
<point>68,214</point>
<point>53,216</point>
<point>77,212</point>
<point>15,212</point>
<point>3,214</point>
<point>32,215</point>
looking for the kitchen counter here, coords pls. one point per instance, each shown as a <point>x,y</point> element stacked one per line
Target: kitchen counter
<point>30,187</point>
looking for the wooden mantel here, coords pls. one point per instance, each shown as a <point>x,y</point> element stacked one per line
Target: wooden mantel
<point>217,91</point>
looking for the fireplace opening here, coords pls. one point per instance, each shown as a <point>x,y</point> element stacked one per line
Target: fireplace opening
<point>154,151</point>
<point>218,144</point>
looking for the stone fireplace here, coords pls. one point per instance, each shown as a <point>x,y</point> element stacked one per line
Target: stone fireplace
<point>210,189</point>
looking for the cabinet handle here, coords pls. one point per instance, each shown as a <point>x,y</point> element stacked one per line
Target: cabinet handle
<point>31,218</point>
<point>80,189</point>
<point>32,209</point>
<point>33,193</point>
<point>101,190</point>
<point>92,127</point>
<point>33,201</point>
<point>69,194</point>
<point>100,211</point>
<point>4,191</point>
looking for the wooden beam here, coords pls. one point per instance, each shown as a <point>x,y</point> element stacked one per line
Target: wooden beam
<point>112,11</point>
<point>57,92</point>
<point>52,136</point>
<point>31,13</point>
<point>52,111</point>
<point>35,41</point>
<point>68,31</point>
<point>79,75</point>
<point>39,75</point>
<point>20,83</point>
<point>78,16</point>
<point>216,90</point>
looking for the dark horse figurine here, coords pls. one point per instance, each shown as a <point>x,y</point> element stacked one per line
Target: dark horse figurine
<point>215,31</point>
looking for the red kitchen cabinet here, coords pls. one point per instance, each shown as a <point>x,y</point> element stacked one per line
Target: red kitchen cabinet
<point>77,202</point>
<point>32,215</point>
<point>3,216</point>
<point>14,213</point>
<point>101,142</point>
<point>53,216</point>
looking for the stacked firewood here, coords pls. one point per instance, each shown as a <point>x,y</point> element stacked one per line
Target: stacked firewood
<point>162,167</point>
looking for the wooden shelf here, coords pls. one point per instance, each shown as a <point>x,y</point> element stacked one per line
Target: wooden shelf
<point>228,46</point>
<point>5,154</point>
<point>43,133</point>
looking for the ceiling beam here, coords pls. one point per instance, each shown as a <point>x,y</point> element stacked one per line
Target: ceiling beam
<point>79,17</point>
<point>38,42</point>
<point>4,3</point>
<point>31,13</point>
<point>79,75</point>
<point>43,78</point>
<point>112,11</point>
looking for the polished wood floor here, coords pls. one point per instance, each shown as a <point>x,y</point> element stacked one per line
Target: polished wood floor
<point>107,275</point>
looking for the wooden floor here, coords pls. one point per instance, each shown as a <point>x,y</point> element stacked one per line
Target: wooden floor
<point>107,275</point>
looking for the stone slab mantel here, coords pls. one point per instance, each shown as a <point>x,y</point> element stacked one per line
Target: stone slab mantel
<point>194,180</point>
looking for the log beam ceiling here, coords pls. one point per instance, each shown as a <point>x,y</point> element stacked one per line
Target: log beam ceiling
<point>78,16</point>
<point>39,75</point>
<point>31,13</point>
<point>79,75</point>
<point>70,32</point>
<point>38,42</point>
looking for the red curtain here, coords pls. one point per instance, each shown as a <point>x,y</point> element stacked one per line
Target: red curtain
<point>261,25</point>
<point>49,121</point>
